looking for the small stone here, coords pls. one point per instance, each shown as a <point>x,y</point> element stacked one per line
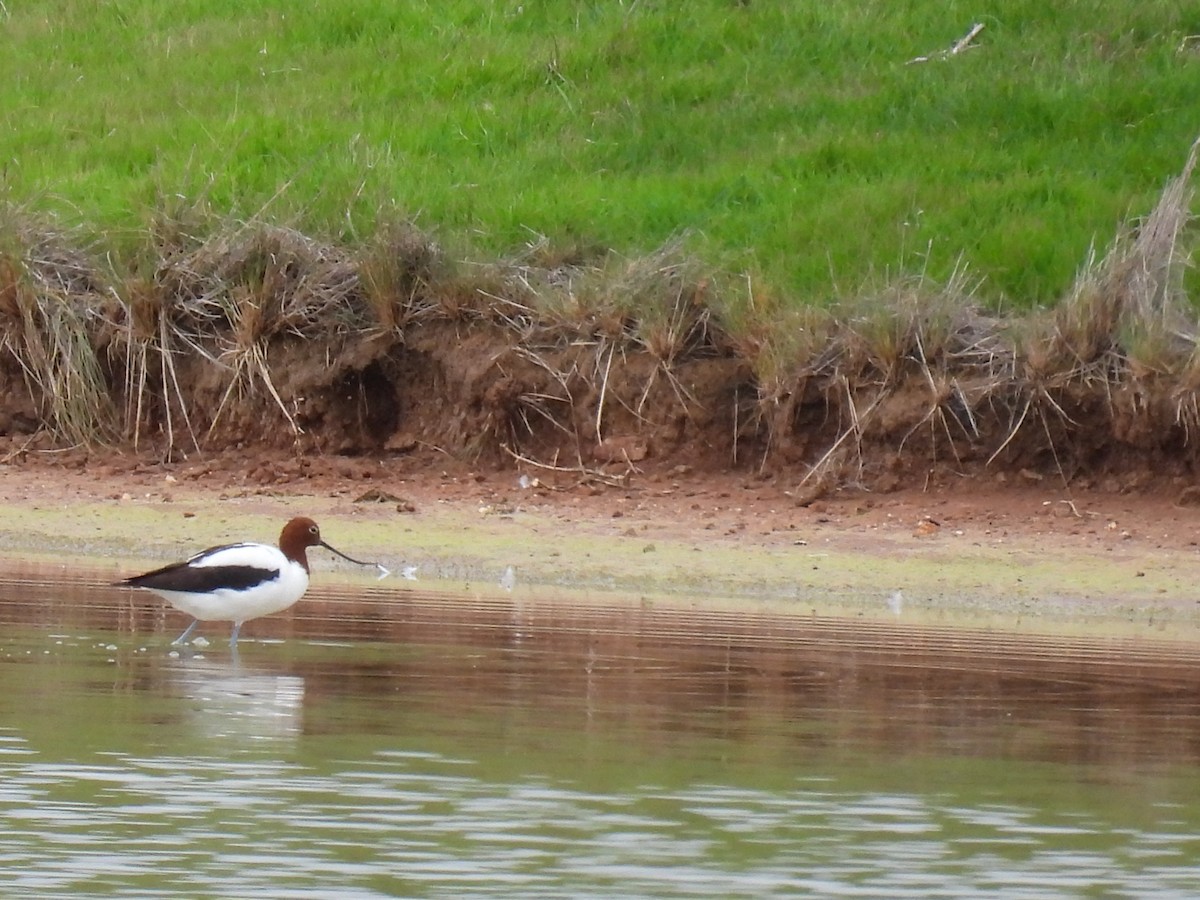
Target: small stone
<point>927,527</point>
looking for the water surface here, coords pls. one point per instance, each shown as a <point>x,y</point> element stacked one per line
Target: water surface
<point>383,743</point>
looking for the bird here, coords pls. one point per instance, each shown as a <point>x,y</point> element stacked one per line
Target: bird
<point>238,582</point>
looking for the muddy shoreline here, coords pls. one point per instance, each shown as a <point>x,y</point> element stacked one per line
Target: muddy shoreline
<point>1013,558</point>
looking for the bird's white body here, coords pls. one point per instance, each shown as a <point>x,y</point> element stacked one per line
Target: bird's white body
<point>274,594</point>
<point>238,582</point>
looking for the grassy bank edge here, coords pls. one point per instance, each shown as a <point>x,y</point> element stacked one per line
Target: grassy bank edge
<point>97,340</point>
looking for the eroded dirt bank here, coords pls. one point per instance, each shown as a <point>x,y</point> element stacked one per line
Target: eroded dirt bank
<point>251,338</point>
<point>603,413</point>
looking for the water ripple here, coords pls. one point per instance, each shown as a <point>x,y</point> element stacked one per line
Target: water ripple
<point>235,828</point>
<point>595,756</point>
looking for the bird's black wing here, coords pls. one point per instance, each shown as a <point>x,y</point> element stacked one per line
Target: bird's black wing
<point>190,578</point>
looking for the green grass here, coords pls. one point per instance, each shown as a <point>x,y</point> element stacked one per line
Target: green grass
<point>790,140</point>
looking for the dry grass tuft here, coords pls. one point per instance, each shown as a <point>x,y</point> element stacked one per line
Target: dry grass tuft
<point>910,331</point>
<point>50,291</point>
<point>398,270</point>
<point>1126,322</point>
<point>226,297</point>
<point>577,315</point>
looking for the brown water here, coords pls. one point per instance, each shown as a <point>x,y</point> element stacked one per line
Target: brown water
<point>384,743</point>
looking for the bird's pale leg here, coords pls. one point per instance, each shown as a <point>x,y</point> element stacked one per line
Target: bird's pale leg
<point>237,627</point>
<point>187,633</point>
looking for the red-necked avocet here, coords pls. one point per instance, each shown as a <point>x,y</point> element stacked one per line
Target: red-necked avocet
<point>238,582</point>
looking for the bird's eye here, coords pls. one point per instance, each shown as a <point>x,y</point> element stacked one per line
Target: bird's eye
<point>312,529</point>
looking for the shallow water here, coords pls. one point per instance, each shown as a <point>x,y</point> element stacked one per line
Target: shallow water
<point>383,743</point>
